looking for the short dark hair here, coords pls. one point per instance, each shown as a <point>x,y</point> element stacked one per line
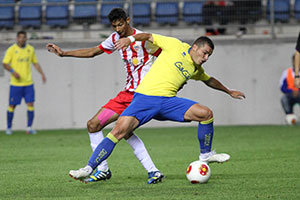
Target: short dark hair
<point>117,14</point>
<point>200,41</point>
<point>21,33</point>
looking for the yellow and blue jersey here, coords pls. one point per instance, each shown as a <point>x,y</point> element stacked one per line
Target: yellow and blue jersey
<point>20,60</point>
<point>173,67</point>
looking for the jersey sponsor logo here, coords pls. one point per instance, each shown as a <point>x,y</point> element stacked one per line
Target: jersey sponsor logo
<point>183,54</point>
<point>26,59</point>
<point>184,72</point>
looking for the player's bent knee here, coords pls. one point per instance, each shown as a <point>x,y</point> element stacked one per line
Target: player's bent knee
<point>207,114</point>
<point>122,128</point>
<point>210,114</point>
<point>93,127</point>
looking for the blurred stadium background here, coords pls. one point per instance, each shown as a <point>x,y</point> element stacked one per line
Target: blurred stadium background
<point>254,39</point>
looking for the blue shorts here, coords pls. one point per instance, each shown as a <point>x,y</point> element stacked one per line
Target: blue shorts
<point>16,93</point>
<point>145,108</point>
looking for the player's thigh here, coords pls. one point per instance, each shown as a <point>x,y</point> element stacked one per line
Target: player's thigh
<point>198,112</point>
<point>29,94</point>
<point>15,95</point>
<point>174,109</point>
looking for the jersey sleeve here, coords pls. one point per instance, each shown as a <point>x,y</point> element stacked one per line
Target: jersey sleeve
<point>164,42</point>
<point>108,45</point>
<point>8,56</point>
<point>152,49</point>
<point>298,43</point>
<point>33,57</point>
<point>200,75</point>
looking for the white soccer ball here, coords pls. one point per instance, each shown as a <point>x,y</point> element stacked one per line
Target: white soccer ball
<point>291,119</point>
<point>198,172</point>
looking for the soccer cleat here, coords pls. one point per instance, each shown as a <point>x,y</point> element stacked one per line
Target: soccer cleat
<point>8,131</point>
<point>30,131</point>
<point>81,174</point>
<point>155,177</point>
<point>216,157</point>
<point>100,176</point>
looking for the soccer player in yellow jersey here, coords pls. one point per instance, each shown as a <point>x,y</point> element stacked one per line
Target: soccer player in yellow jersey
<point>155,97</point>
<point>17,61</point>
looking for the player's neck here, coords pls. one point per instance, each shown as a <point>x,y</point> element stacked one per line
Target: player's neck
<point>21,45</point>
<point>129,32</point>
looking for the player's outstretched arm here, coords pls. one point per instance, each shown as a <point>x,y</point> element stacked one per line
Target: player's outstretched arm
<point>215,84</point>
<point>79,53</point>
<point>123,43</point>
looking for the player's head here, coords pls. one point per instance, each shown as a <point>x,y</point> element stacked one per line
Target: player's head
<point>21,38</point>
<point>201,49</point>
<point>119,21</point>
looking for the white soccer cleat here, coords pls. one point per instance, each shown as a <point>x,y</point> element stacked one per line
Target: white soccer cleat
<point>81,174</point>
<point>8,131</point>
<point>215,157</point>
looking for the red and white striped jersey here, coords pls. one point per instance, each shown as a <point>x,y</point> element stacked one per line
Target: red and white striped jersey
<point>137,58</point>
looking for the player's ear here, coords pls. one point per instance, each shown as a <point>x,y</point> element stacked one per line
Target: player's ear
<point>128,20</point>
<point>194,47</point>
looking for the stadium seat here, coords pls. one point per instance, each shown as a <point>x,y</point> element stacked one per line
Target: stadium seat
<point>30,15</point>
<point>85,12</point>
<point>141,13</point>
<point>192,12</point>
<point>297,9</point>
<point>167,13</point>
<point>57,15</point>
<point>281,10</point>
<point>247,11</point>
<point>7,14</point>
<point>106,7</point>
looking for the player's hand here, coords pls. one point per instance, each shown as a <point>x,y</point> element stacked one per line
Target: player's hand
<point>54,49</point>
<point>16,75</point>
<point>122,43</point>
<point>297,82</point>
<point>44,78</point>
<point>237,94</point>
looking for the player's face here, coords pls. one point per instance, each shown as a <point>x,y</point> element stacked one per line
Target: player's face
<point>121,26</point>
<point>201,54</point>
<point>21,40</point>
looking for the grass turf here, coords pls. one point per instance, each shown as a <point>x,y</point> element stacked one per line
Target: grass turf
<point>264,165</point>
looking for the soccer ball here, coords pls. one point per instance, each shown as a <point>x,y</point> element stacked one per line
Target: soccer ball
<point>198,172</point>
<point>291,119</point>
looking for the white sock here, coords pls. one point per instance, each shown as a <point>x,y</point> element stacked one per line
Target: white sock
<point>141,153</point>
<point>89,169</point>
<point>95,139</point>
<point>204,156</point>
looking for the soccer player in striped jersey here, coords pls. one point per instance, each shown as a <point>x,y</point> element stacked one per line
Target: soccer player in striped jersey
<point>138,59</point>
<point>17,60</point>
<point>155,97</point>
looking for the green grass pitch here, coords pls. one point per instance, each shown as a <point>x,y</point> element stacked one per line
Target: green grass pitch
<point>264,165</point>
